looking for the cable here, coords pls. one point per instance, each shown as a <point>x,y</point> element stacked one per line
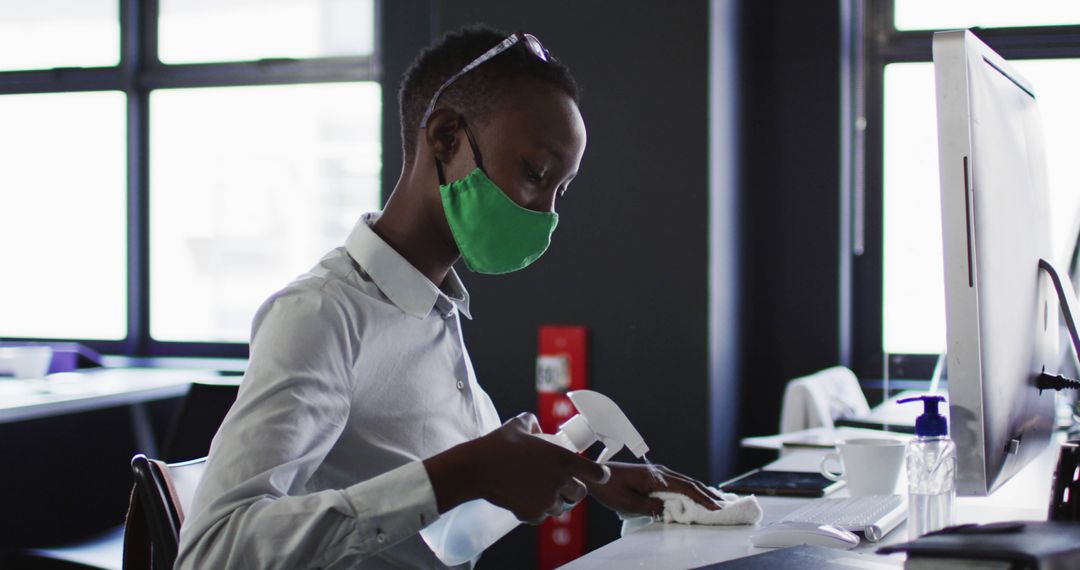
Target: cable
<point>1050,382</point>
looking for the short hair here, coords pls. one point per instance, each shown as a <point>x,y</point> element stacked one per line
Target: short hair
<point>476,93</point>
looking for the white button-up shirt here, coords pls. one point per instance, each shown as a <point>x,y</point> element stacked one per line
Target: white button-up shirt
<point>358,371</point>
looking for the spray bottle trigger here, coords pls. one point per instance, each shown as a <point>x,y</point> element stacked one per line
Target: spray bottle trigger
<point>611,447</point>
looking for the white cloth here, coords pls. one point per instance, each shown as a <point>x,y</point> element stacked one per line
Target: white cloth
<point>818,399</point>
<point>358,371</point>
<point>734,510</point>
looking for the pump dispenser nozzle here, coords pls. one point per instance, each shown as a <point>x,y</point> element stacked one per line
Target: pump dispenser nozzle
<point>931,423</point>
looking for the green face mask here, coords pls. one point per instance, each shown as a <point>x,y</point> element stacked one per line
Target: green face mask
<point>492,232</point>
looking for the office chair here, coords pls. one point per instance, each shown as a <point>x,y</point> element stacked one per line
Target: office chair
<point>819,399</point>
<point>197,420</point>
<point>162,494</point>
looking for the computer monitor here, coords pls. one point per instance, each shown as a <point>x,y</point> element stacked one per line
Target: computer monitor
<point>1001,311</point>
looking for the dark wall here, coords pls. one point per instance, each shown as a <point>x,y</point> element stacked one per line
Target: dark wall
<point>791,200</point>
<point>630,257</point>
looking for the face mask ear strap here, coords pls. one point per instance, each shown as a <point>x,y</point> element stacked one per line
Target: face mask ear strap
<point>439,171</point>
<point>475,149</point>
<point>476,155</point>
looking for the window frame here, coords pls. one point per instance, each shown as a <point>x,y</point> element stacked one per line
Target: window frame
<point>137,74</point>
<point>876,43</point>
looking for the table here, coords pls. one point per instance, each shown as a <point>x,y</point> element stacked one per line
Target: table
<point>79,436</point>
<point>646,544</point>
<point>97,388</point>
<point>91,389</point>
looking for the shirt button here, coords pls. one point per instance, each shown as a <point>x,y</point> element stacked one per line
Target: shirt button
<point>460,385</point>
<point>449,314</point>
<point>380,538</point>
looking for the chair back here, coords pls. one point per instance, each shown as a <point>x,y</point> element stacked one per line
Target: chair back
<point>820,398</point>
<point>162,494</point>
<point>198,418</point>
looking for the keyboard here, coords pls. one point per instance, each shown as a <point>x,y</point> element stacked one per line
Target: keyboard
<point>874,516</point>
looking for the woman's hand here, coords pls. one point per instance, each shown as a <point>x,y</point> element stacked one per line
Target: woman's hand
<point>627,492</point>
<point>513,469</point>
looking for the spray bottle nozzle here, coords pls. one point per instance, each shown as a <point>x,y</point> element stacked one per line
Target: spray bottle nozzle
<point>931,423</point>
<point>600,419</point>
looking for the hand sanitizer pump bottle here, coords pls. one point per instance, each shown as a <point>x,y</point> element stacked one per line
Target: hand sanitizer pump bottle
<point>931,470</point>
<point>464,532</point>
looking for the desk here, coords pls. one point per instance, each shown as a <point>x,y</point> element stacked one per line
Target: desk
<point>99,388</point>
<point>672,546</point>
<point>93,389</point>
<point>86,429</point>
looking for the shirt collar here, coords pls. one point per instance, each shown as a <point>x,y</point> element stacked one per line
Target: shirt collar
<point>405,286</point>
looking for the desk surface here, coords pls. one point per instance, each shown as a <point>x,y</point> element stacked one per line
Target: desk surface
<point>92,389</point>
<point>672,546</point>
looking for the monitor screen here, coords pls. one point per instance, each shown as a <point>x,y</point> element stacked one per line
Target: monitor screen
<point>1001,310</point>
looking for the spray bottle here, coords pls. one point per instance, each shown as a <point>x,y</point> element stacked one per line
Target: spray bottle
<point>931,468</point>
<point>464,532</point>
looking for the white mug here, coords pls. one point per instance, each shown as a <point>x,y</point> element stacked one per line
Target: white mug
<point>870,466</point>
<point>32,362</point>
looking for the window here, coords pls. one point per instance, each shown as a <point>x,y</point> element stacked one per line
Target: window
<point>955,14</point>
<point>203,31</point>
<point>282,173</point>
<point>899,278</point>
<point>46,34</point>
<point>157,189</point>
<point>63,225</point>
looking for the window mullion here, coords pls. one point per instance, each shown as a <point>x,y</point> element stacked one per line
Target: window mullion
<point>1011,43</point>
<point>262,72</point>
<point>61,80</point>
<point>136,18</point>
